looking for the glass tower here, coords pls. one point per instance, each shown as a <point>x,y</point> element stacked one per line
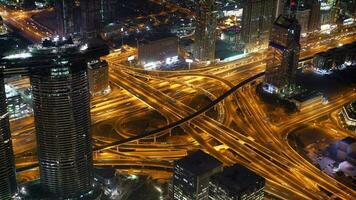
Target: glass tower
<point>7,167</point>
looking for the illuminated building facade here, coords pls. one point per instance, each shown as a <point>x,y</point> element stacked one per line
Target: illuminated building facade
<point>349,115</point>
<point>235,183</point>
<point>17,104</point>
<point>333,59</point>
<point>8,184</point>
<point>61,104</point>
<point>157,51</point>
<point>257,19</point>
<point>205,31</point>
<point>191,176</point>
<point>283,56</point>
<point>98,73</point>
<point>3,29</point>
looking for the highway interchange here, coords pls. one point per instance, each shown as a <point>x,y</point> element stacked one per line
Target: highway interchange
<point>247,137</point>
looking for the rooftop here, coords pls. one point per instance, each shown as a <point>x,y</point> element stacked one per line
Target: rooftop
<point>198,162</point>
<point>351,110</point>
<point>307,95</point>
<point>348,140</point>
<point>154,37</point>
<point>237,179</point>
<point>285,22</point>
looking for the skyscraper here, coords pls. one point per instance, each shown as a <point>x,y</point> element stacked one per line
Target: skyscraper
<point>85,17</point>
<point>257,19</point>
<point>108,11</point>
<point>279,8</point>
<point>91,17</point>
<point>62,120</point>
<point>60,93</point>
<point>283,55</point>
<point>68,17</point>
<point>303,16</point>
<point>7,167</point>
<point>205,31</point>
<point>315,15</point>
<point>191,176</point>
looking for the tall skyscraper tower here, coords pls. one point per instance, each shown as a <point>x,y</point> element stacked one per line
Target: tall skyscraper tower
<point>62,119</point>
<point>68,17</point>
<point>108,11</point>
<point>279,8</point>
<point>91,15</point>
<point>85,17</point>
<point>60,94</point>
<point>7,167</point>
<point>205,31</point>
<point>315,15</point>
<point>283,54</point>
<point>257,19</point>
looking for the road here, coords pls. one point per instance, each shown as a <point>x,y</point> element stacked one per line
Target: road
<point>249,137</point>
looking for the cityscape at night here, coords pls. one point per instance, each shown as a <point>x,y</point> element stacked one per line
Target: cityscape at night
<point>177,99</point>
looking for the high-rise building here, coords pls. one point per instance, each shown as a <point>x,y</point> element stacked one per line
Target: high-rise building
<point>236,182</point>
<point>28,4</point>
<point>303,16</point>
<point>315,15</point>
<point>85,17</point>
<point>61,104</point>
<point>7,167</point>
<point>91,17</point>
<point>191,176</point>
<point>205,31</point>
<point>98,73</point>
<point>279,8</point>
<point>348,7</point>
<point>68,17</point>
<point>257,19</point>
<point>283,55</point>
<point>108,11</point>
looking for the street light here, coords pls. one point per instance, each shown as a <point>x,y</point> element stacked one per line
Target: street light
<point>189,61</point>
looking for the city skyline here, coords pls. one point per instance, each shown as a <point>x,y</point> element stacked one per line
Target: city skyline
<point>107,99</point>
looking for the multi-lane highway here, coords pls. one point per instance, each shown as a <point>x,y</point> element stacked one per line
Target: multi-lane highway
<point>249,137</point>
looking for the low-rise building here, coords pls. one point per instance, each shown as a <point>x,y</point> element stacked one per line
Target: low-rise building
<point>3,29</point>
<point>305,99</point>
<point>348,115</point>
<point>333,59</point>
<point>236,183</point>
<point>191,176</point>
<point>342,149</point>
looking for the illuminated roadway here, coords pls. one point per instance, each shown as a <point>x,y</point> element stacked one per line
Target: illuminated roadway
<point>261,147</point>
<point>208,125</point>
